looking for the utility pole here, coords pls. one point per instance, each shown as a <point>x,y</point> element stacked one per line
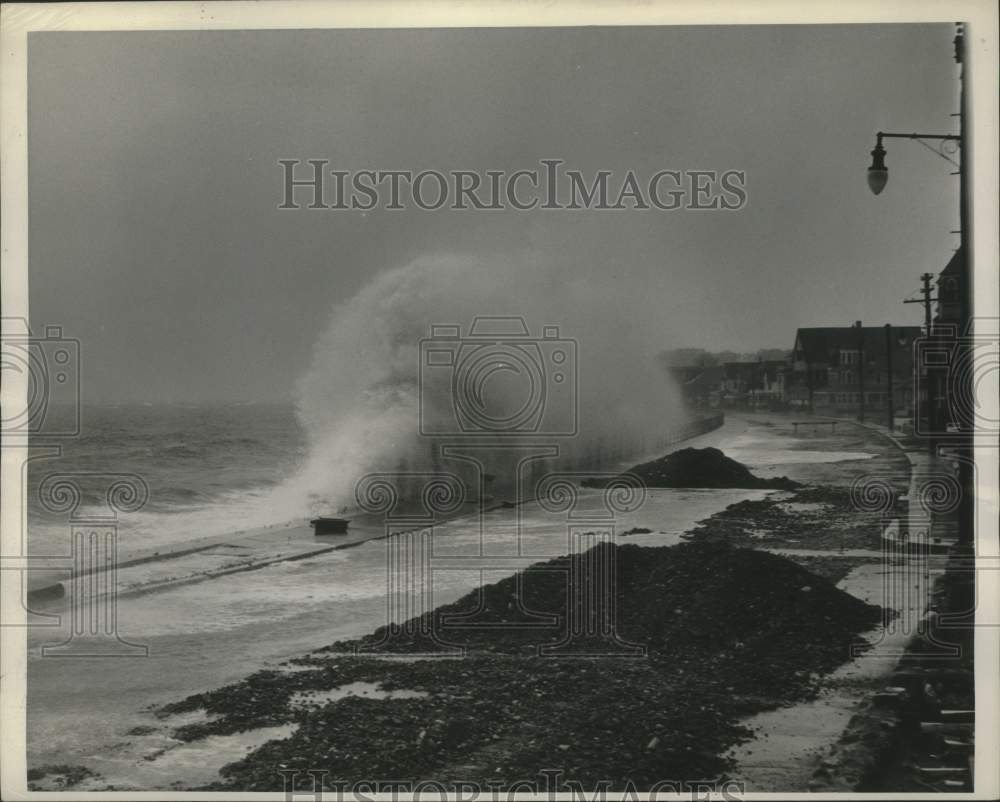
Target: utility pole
<point>888,367</point>
<point>809,384</point>
<point>966,467</point>
<point>926,301</point>
<point>861,370</point>
<point>924,378</point>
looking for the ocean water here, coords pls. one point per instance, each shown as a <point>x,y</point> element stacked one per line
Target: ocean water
<point>215,469</point>
<point>209,469</point>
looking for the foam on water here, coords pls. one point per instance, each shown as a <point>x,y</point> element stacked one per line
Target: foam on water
<point>212,470</point>
<point>350,585</point>
<point>361,400</point>
<point>208,470</point>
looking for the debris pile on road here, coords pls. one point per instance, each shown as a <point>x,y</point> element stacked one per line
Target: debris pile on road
<point>768,618</point>
<point>698,467</point>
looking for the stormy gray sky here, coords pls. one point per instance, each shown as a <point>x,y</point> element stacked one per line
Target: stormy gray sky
<point>155,236</point>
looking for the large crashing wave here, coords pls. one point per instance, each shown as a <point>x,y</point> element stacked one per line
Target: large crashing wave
<point>359,401</point>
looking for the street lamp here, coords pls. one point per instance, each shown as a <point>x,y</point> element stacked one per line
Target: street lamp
<point>878,173</point>
<point>878,176</point>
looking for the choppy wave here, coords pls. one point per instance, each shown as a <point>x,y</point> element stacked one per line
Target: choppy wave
<point>205,474</point>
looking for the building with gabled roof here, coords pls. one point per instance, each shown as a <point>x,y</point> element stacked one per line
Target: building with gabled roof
<point>832,366</point>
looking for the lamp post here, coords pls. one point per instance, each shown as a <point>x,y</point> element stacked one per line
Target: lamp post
<point>890,397</point>
<point>878,173</point>
<point>878,176</point>
<point>861,371</point>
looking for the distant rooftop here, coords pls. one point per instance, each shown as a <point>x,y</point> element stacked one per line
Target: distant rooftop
<point>953,268</point>
<point>822,344</point>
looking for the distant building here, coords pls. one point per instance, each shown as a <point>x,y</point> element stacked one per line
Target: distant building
<point>759,383</point>
<point>700,385</point>
<point>738,380</point>
<point>832,366</point>
<point>768,389</point>
<point>754,384</point>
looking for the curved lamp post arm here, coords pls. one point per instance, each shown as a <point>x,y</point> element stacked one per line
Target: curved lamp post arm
<point>878,173</point>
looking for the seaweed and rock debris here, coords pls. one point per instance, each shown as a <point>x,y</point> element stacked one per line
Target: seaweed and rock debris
<point>705,599</point>
<point>637,530</point>
<point>57,777</point>
<point>816,517</point>
<point>722,632</point>
<point>697,468</point>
